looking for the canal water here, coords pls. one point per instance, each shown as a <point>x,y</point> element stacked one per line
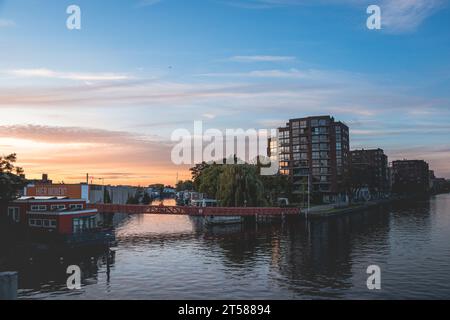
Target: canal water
<point>173,257</point>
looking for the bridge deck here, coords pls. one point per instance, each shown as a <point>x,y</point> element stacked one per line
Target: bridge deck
<point>193,211</point>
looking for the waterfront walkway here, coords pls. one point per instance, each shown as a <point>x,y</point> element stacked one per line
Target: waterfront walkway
<point>194,211</point>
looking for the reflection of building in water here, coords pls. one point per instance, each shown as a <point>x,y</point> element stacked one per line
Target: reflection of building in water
<point>50,268</point>
<point>320,252</point>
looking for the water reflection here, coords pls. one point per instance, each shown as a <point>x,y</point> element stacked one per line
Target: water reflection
<point>167,257</point>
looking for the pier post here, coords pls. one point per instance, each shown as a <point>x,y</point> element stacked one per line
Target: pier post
<point>8,285</point>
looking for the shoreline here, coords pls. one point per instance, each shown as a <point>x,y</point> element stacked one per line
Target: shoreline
<point>331,211</point>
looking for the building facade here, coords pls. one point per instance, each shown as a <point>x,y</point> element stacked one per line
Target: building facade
<point>314,153</point>
<point>410,177</point>
<point>89,192</point>
<point>369,170</point>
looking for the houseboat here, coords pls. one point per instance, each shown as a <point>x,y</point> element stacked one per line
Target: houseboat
<point>57,220</point>
<point>215,220</point>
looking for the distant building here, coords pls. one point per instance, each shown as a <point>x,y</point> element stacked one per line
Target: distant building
<point>73,191</point>
<point>89,192</point>
<point>410,177</point>
<point>438,185</point>
<point>117,194</point>
<point>44,180</point>
<point>314,151</point>
<point>369,169</point>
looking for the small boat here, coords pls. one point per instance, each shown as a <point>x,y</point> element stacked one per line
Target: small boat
<point>215,220</point>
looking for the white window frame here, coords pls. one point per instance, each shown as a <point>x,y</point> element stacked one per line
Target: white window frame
<point>38,208</point>
<point>14,213</point>
<point>32,222</point>
<point>58,207</point>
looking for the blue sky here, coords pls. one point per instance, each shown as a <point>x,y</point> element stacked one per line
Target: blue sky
<point>137,70</point>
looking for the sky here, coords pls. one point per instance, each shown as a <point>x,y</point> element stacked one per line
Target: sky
<point>105,99</point>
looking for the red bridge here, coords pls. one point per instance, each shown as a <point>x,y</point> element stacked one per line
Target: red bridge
<point>193,211</point>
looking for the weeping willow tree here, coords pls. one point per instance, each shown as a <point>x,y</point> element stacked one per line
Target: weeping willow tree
<point>241,185</point>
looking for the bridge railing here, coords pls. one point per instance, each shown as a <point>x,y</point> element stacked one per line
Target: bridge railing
<point>194,211</point>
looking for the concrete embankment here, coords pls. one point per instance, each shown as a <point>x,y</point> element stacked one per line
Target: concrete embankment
<point>330,211</point>
<point>8,285</point>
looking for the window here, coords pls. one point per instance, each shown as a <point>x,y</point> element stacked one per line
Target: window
<point>304,163</point>
<point>76,206</point>
<point>314,123</point>
<point>324,154</point>
<point>39,223</point>
<point>83,224</point>
<point>323,122</point>
<point>58,207</point>
<point>14,214</point>
<point>39,208</point>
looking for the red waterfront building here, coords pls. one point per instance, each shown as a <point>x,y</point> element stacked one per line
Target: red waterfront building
<point>56,217</point>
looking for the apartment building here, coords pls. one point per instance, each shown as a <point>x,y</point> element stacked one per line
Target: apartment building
<point>314,153</point>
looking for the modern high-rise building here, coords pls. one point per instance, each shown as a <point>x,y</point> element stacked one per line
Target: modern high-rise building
<point>314,153</point>
<point>369,169</point>
<point>410,177</point>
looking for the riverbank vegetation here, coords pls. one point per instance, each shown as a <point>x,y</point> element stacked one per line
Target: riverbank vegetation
<point>239,184</point>
<point>12,178</point>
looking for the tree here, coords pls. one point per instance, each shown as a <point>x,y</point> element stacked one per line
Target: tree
<point>185,185</point>
<point>11,178</point>
<point>146,199</point>
<point>275,187</point>
<point>106,196</point>
<point>241,185</point>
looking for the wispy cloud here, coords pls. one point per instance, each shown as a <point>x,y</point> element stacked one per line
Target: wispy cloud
<point>261,58</point>
<point>5,23</point>
<point>291,73</point>
<point>398,16</point>
<point>406,15</point>
<point>79,76</point>
<point>66,153</point>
